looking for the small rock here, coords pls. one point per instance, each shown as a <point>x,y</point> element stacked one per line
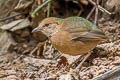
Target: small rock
<point>16,25</point>
<point>10,72</point>
<point>6,41</point>
<point>38,62</point>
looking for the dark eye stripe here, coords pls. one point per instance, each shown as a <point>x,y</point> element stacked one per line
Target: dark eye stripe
<point>47,24</point>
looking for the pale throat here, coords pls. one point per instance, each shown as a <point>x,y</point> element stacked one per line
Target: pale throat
<point>51,30</point>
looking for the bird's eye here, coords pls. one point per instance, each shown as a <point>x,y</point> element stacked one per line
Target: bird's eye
<point>46,25</point>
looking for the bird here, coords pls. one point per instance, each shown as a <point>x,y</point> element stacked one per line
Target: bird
<point>73,36</point>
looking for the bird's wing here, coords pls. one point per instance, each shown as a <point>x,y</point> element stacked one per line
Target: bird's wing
<point>82,29</point>
<point>91,35</point>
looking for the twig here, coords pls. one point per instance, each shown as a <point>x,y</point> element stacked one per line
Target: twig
<point>39,7</point>
<point>9,17</point>
<point>109,74</point>
<point>35,49</point>
<point>93,9</point>
<point>99,7</point>
<point>57,57</point>
<point>15,60</point>
<point>96,13</point>
<point>80,12</point>
<point>49,7</point>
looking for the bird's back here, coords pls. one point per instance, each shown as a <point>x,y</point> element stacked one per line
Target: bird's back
<point>80,23</point>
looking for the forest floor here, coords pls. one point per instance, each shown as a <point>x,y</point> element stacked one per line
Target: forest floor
<point>28,56</point>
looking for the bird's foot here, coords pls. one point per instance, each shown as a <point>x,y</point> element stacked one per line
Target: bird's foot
<point>77,60</point>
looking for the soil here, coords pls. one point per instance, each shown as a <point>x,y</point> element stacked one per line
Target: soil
<point>34,58</point>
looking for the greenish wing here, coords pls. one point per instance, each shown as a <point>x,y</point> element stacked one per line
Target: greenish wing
<point>82,29</point>
<point>79,23</point>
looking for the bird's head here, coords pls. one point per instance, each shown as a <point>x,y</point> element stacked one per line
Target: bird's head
<point>48,26</point>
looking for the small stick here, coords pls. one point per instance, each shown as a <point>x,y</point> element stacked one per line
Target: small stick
<point>96,13</point>
<point>15,60</point>
<point>99,7</point>
<point>109,74</point>
<point>80,12</point>
<point>48,11</point>
<point>9,17</point>
<point>39,7</point>
<point>93,9</point>
<point>35,49</point>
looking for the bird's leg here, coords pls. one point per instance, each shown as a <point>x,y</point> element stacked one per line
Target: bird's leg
<point>40,47</point>
<point>37,48</point>
<point>86,56</point>
<point>38,52</point>
<point>68,67</point>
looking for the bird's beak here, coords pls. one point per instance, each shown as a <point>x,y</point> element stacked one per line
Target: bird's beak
<point>36,29</point>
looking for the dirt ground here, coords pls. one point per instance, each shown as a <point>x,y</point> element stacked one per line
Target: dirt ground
<point>29,56</point>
